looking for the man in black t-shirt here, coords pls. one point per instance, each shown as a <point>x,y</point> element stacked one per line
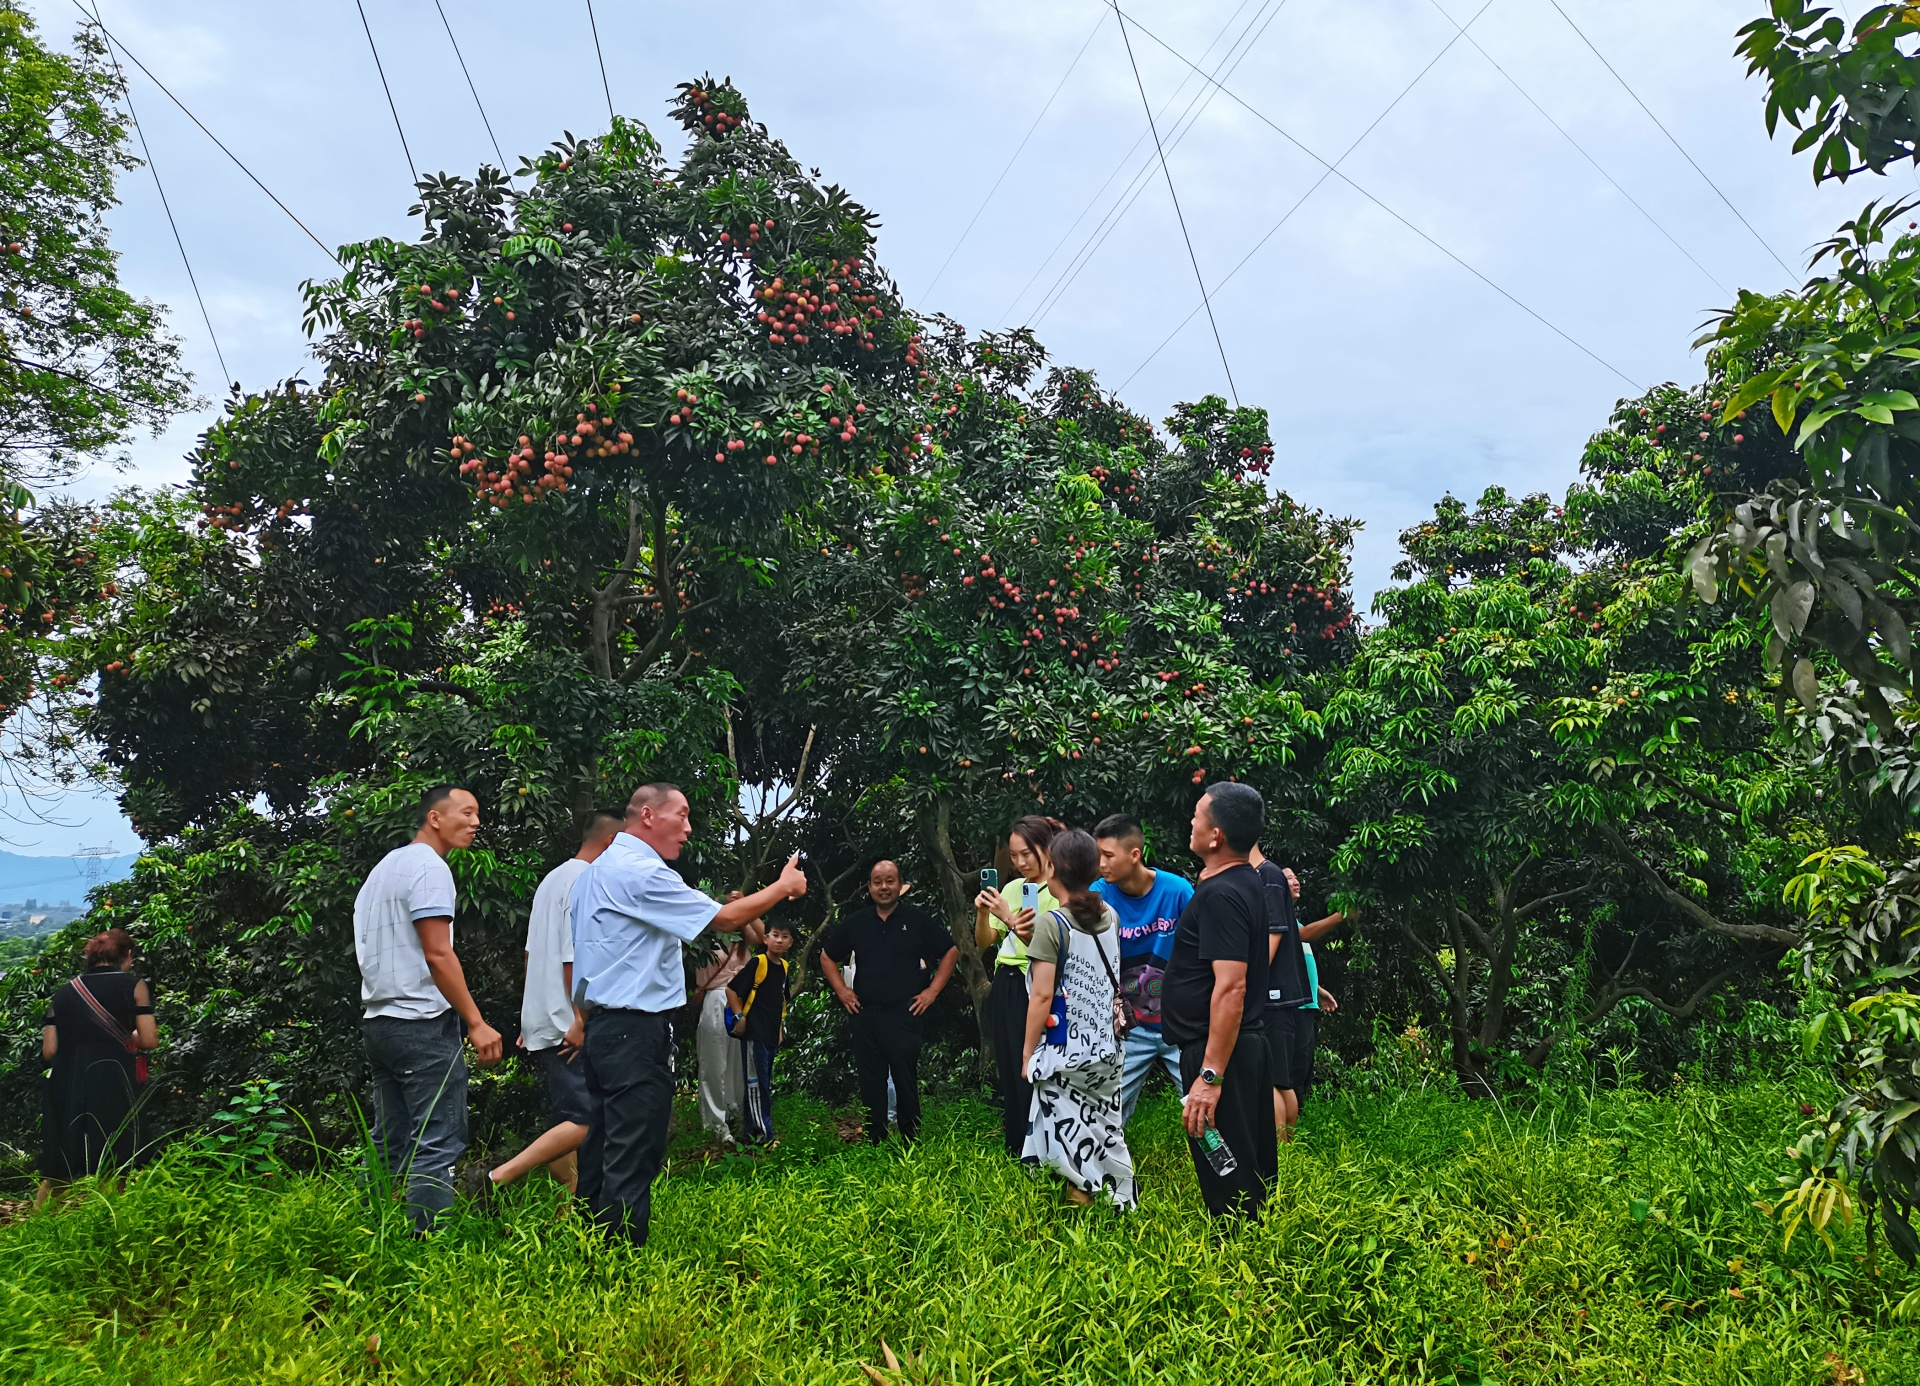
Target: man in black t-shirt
<point>893,945</point>
<point>758,995</point>
<point>1212,1006</point>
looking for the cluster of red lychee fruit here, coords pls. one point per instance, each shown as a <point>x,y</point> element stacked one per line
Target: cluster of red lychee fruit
<point>445,302</point>
<point>713,117</point>
<point>592,435</point>
<point>834,302</point>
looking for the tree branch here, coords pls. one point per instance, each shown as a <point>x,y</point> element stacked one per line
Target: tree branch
<point>443,686</point>
<point>1749,933</point>
<point>605,599</point>
<point>1481,938</point>
<point>1712,801</point>
<point>1526,910</point>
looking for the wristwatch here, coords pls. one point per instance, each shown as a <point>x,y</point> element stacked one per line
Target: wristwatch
<point>1209,1077</point>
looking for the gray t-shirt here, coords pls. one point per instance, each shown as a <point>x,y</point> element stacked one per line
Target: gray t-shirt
<point>546,1010</point>
<point>409,884</point>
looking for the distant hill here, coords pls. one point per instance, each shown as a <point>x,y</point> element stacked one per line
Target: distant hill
<point>57,880</point>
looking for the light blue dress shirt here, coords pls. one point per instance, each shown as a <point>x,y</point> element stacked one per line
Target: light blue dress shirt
<point>631,912</point>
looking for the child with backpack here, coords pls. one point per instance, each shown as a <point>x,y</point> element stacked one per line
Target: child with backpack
<point>757,995</point>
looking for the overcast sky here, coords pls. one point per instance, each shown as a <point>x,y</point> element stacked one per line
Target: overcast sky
<point>1393,373</point>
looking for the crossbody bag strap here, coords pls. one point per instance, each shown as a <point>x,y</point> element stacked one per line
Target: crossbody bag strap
<point>104,1017</point>
<point>1066,945</point>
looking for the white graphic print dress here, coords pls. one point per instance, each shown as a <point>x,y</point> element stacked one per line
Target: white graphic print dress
<point>1074,1125</point>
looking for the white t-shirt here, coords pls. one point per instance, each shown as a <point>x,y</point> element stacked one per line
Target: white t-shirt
<point>410,883</point>
<point>546,1010</point>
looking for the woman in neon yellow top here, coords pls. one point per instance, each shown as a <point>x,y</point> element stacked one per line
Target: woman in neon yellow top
<point>1003,919</point>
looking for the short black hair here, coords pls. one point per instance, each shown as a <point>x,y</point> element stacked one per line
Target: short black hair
<point>649,796</point>
<point>1238,812</point>
<point>431,798</point>
<point>782,926</point>
<point>599,818</point>
<point>1121,828</point>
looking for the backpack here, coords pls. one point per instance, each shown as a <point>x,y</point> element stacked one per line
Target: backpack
<point>761,965</point>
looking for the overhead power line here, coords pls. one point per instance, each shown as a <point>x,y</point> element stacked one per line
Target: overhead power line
<point>605,86</point>
<point>1343,177</point>
<point>1014,158</point>
<point>131,57</point>
<point>1237,53</point>
<point>146,152</point>
<point>1669,134</point>
<point>461,58</point>
<point>1192,259</point>
<point>381,69</point>
<point>1138,180</point>
<point>1327,172</point>
<point>1566,135</point>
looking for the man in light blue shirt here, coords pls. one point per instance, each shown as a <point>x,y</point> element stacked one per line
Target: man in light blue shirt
<point>631,912</point>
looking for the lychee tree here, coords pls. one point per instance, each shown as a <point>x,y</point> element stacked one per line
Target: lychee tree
<point>369,583</point>
<point>1059,612</point>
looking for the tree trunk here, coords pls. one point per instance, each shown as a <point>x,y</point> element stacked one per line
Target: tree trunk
<point>957,902</point>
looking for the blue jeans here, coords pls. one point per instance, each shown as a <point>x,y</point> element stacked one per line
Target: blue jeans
<point>1144,1046</point>
<point>419,1106</point>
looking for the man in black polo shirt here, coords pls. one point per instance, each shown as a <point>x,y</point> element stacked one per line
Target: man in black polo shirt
<point>893,945</point>
<point>1212,1005</point>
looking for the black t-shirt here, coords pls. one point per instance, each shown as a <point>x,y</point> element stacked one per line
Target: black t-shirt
<point>1226,921</point>
<point>1287,968</point>
<point>894,956</point>
<point>768,1000</point>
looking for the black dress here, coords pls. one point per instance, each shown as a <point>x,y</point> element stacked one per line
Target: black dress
<point>90,1117</point>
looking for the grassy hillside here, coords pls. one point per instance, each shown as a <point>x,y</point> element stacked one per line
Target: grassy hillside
<point>1416,1237</point>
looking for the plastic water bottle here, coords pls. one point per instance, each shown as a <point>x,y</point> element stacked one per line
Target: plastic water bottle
<point>1214,1147</point>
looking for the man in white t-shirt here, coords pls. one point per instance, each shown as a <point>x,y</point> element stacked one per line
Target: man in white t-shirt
<point>414,997</point>
<point>546,1014</point>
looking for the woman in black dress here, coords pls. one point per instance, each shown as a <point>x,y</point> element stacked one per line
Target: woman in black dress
<point>98,1029</point>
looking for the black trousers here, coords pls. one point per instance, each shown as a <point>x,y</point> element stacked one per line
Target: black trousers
<point>629,1057</point>
<point>1306,1035</point>
<point>886,1042</point>
<point>1244,1120</point>
<point>1007,1028</point>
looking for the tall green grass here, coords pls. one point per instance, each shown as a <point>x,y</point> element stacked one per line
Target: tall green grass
<point>1415,1237</point>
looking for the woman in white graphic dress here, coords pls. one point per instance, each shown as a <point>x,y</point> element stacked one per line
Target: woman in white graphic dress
<point>1074,1127</point>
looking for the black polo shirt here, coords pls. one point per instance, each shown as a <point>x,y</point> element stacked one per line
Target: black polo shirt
<point>894,956</point>
<point>1225,921</point>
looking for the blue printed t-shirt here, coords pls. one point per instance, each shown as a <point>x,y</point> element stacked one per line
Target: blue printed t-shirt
<point>1313,978</point>
<point>1146,937</point>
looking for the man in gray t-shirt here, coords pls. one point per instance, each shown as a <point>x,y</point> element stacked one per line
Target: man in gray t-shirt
<point>546,1014</point>
<point>414,998</point>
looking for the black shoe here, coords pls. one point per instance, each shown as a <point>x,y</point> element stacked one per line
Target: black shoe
<point>477,1184</point>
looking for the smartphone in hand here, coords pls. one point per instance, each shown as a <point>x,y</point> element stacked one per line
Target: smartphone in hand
<point>989,878</point>
<point>1030,896</point>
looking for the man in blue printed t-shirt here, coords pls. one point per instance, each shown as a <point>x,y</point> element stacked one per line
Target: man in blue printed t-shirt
<point>1148,903</point>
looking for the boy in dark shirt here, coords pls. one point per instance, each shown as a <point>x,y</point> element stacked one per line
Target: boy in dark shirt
<point>758,995</point>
